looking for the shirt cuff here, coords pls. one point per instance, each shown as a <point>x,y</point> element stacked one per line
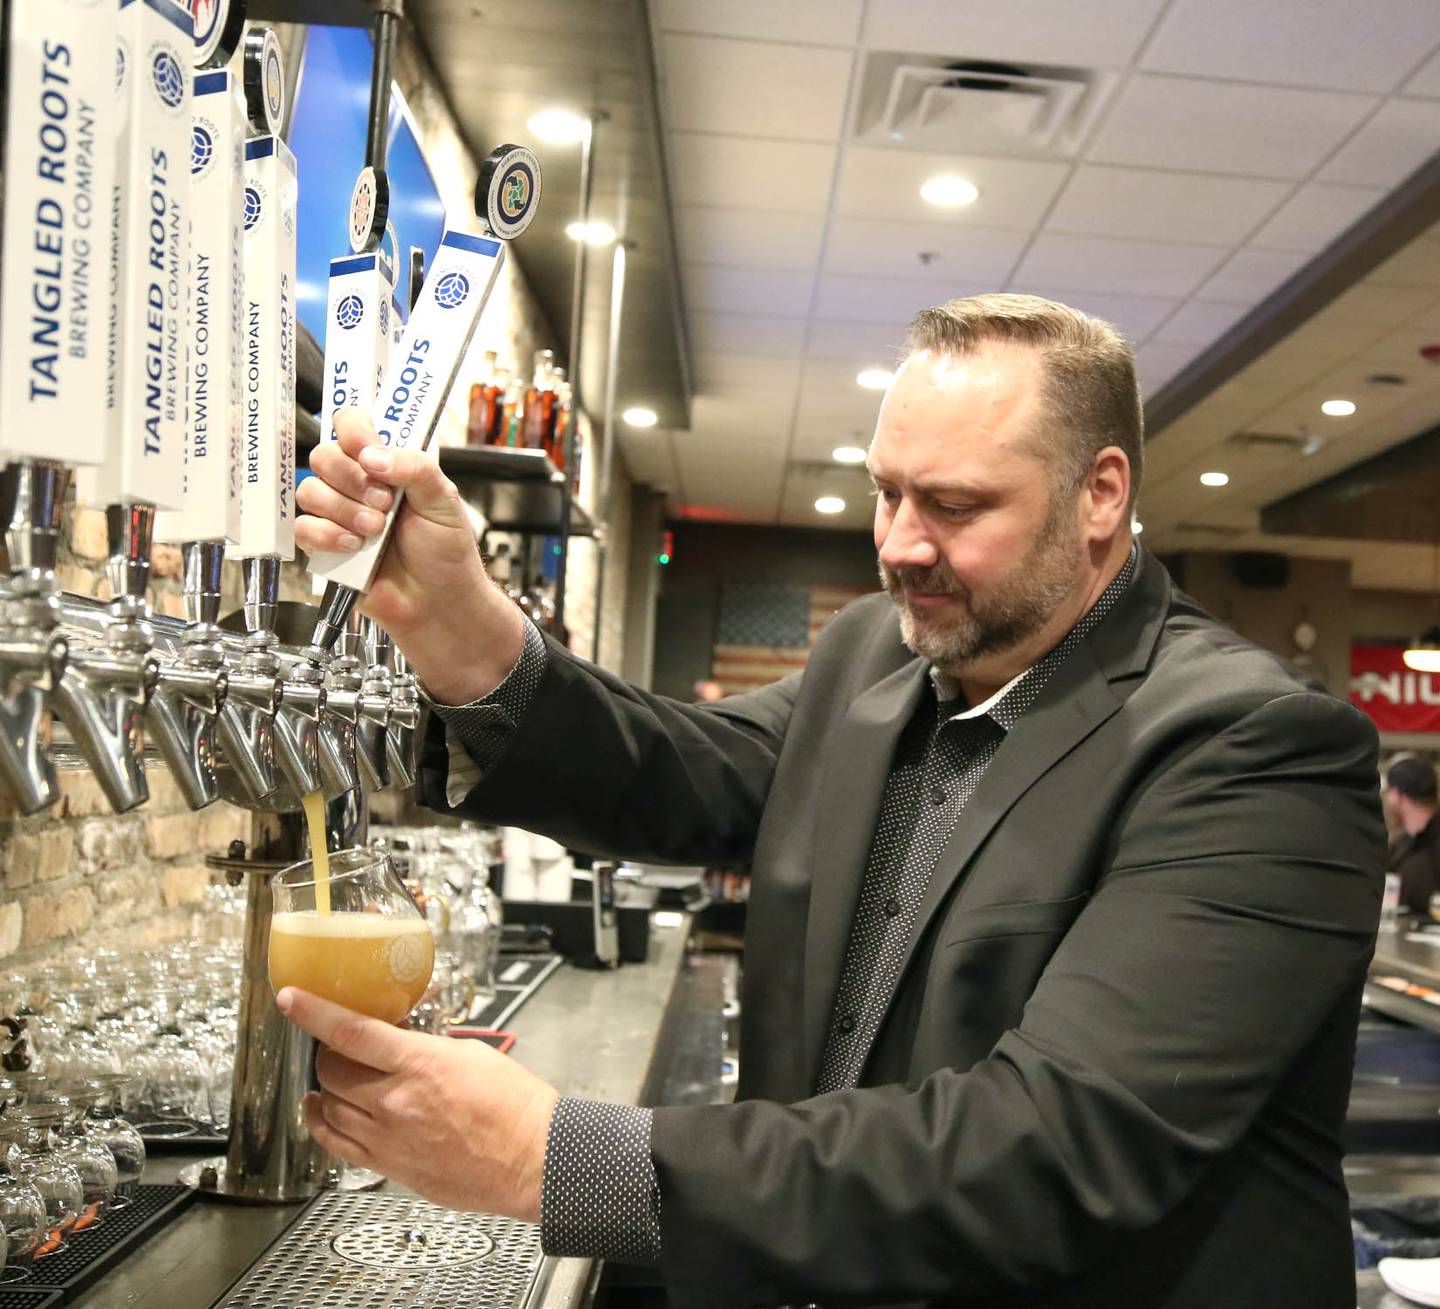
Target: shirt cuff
<point>599,1197</point>
<point>477,733</point>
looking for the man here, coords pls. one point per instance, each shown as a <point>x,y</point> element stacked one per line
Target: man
<point>1063,893</point>
<point>1410,803</point>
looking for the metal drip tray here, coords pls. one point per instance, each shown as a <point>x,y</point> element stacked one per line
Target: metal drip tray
<point>392,1252</point>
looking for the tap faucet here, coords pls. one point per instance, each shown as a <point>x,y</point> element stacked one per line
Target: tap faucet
<point>183,713</point>
<point>103,693</point>
<point>372,719</point>
<point>32,653</point>
<point>337,714</point>
<point>285,727</point>
<point>403,692</point>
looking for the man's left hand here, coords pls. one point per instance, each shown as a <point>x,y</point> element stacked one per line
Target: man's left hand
<point>455,1121</point>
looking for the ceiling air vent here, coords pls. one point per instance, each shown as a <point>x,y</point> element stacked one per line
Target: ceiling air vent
<point>1276,443</point>
<point>962,106</point>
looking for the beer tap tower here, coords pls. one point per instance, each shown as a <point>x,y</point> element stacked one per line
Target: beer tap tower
<point>55,244</point>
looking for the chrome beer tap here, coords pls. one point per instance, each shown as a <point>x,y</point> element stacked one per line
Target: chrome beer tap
<point>183,712</point>
<point>403,691</point>
<point>103,693</point>
<point>338,713</point>
<point>372,723</point>
<point>32,652</point>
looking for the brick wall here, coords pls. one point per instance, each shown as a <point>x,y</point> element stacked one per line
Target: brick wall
<point>79,868</point>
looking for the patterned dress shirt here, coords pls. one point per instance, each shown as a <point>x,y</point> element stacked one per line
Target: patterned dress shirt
<point>600,1197</point>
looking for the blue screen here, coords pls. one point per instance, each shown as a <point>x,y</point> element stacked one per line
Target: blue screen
<point>327,134</point>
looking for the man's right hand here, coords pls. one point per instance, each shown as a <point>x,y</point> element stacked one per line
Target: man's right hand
<point>460,632</point>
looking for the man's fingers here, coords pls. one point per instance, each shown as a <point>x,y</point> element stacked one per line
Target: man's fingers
<point>354,430</point>
<point>323,501</point>
<point>335,468</point>
<point>417,473</point>
<point>351,1081</point>
<point>346,1147</point>
<point>313,535</point>
<point>365,1040</point>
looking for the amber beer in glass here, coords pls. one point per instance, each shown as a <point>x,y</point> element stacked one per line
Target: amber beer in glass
<point>372,952</point>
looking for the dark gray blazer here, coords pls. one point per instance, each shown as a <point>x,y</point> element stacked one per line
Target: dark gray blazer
<point>1117,1063</point>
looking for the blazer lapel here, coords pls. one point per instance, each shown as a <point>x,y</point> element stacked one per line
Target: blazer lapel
<point>856,770</point>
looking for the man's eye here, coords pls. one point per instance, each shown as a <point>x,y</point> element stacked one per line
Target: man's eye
<point>955,511</point>
<point>887,494</point>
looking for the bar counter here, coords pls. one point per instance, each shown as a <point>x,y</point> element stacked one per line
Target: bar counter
<point>1410,954</point>
<point>591,1034</point>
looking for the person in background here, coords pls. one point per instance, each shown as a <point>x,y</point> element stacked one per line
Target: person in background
<point>1410,803</point>
<point>708,691</point>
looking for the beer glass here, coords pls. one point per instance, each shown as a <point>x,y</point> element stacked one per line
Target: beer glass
<point>372,952</point>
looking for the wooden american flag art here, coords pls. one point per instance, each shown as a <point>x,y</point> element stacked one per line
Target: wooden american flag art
<point>766,629</point>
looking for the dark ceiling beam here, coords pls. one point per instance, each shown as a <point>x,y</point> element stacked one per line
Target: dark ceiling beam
<point>1402,215</point>
<point>335,13</point>
<point>1394,496</point>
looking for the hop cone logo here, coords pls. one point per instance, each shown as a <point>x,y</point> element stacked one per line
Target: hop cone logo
<point>385,317</point>
<point>202,148</point>
<point>252,207</point>
<point>451,290</point>
<point>169,80</point>
<point>349,312</point>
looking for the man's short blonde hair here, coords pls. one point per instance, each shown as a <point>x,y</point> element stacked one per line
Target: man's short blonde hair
<point>1091,399</point>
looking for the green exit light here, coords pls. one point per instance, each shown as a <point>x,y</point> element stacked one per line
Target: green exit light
<point>662,559</point>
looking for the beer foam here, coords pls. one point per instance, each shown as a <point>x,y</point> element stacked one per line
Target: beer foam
<point>349,925</point>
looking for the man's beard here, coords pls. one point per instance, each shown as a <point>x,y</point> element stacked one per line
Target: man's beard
<point>1015,608</point>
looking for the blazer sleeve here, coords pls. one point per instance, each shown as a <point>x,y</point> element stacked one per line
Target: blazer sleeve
<point>605,767</point>
<point>1237,912</point>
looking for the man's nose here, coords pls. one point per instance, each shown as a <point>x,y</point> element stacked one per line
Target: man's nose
<point>906,542</point>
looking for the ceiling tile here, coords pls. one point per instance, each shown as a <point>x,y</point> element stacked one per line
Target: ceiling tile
<point>1157,364</point>
<point>816,437</point>
<point>1426,81</point>
<point>1286,365</point>
<point>1092,263</point>
<point>1227,127</point>
<point>879,248</point>
<point>1134,317</point>
<point>1315,216</point>
<point>819,22</point>
<point>1248,276</point>
<point>757,417</point>
<point>886,299</point>
<point>714,371</point>
<point>885,184</point>
<point>1399,352</point>
<point>1347,45</point>
<point>1418,264</point>
<point>754,88</point>
<point>1370,304</point>
<point>1032,31</point>
<point>1390,147</point>
<point>749,238</point>
<point>746,334</point>
<point>864,343</point>
<point>784,176</point>
<point>1156,206</point>
<point>748,291</point>
<point>1198,323</point>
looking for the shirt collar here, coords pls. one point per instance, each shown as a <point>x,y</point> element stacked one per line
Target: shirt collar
<point>1004,707</point>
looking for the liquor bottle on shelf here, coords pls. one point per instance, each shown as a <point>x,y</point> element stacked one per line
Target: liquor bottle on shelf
<point>509,407</point>
<point>540,406</point>
<point>483,396</point>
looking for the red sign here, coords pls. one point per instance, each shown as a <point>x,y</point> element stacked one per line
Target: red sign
<point>1396,698</point>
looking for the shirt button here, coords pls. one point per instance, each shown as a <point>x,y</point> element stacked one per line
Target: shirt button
<point>847,1022</point>
<point>937,795</point>
<point>892,907</point>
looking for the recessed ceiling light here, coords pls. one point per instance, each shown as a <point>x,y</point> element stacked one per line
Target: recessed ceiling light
<point>1136,526</point>
<point>1338,408</point>
<point>1214,479</point>
<point>639,416</point>
<point>875,379</point>
<point>949,191</point>
<point>594,232</point>
<point>830,504</point>
<point>848,454</point>
<point>559,126</point>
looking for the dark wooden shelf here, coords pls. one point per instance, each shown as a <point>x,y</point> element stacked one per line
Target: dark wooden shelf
<point>516,490</point>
